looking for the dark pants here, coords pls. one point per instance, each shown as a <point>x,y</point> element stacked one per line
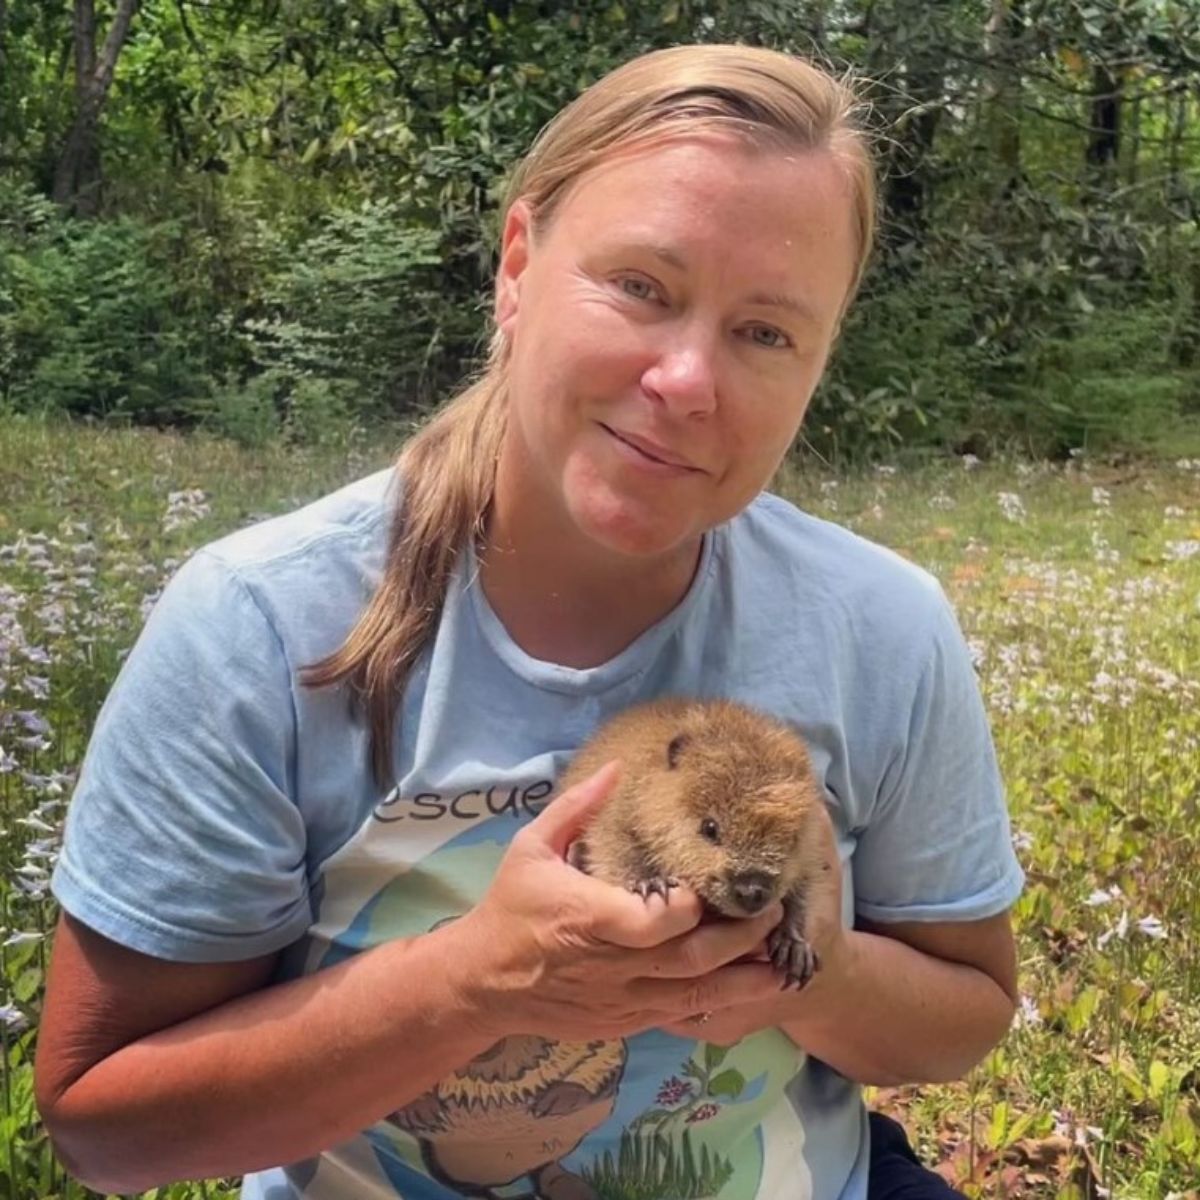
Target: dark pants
<point>896,1172</point>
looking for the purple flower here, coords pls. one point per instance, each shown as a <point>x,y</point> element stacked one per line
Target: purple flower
<point>703,1113</point>
<point>673,1091</point>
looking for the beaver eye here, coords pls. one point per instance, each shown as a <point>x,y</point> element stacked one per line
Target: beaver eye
<point>710,830</point>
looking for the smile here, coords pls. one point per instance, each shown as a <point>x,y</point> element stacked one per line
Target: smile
<point>648,453</point>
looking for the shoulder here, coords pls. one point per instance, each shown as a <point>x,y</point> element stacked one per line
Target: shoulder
<point>352,515</point>
<point>830,572</point>
<point>306,574</point>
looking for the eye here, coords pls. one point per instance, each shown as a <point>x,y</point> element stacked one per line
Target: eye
<point>710,830</point>
<point>768,337</point>
<point>638,288</point>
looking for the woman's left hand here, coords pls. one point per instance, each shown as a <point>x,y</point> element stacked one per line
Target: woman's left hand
<point>825,933</point>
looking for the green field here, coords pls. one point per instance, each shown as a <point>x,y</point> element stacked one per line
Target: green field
<point>1078,586</point>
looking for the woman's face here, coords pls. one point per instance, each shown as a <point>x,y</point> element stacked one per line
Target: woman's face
<point>667,329</point>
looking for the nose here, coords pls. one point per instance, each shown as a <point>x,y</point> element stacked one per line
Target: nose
<point>684,379</point>
<point>752,890</point>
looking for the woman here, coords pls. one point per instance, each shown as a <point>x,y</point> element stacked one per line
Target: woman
<point>289,920</point>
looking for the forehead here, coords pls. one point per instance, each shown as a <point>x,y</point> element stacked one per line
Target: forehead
<point>693,201</point>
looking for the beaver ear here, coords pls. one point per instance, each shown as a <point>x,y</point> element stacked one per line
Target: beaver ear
<point>677,743</point>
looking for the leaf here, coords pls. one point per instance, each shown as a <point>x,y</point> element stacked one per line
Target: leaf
<point>1128,1073</point>
<point>714,1056</point>
<point>1072,60</point>
<point>729,1083</point>
<point>998,1126</point>
<point>1160,1079</point>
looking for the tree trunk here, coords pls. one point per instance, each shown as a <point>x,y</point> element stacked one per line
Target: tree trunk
<point>1002,115</point>
<point>909,181</point>
<point>77,178</point>
<point>911,168</point>
<point>1104,142</point>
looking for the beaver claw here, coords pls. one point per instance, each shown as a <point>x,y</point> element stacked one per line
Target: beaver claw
<point>792,955</point>
<point>660,884</point>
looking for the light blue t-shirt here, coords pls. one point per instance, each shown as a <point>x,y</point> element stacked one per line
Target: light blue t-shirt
<point>226,811</point>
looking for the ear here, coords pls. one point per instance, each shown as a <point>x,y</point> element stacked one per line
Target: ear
<point>676,746</point>
<point>514,258</point>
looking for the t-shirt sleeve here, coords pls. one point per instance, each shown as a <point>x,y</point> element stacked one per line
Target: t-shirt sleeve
<point>183,839</point>
<point>938,845</point>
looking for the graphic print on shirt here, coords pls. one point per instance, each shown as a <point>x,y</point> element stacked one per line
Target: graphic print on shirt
<point>537,1119</point>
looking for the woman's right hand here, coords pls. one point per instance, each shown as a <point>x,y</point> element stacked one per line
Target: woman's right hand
<point>554,952</point>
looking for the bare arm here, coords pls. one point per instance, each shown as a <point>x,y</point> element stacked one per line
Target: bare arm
<point>150,1070</point>
<point>910,1003</point>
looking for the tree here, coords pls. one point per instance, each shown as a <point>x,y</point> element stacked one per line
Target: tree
<point>77,178</point>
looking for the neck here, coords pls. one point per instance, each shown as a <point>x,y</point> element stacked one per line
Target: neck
<point>564,599</point>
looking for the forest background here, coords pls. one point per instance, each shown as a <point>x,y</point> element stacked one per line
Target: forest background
<point>267,216</point>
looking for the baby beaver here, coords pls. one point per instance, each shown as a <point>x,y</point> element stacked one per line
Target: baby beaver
<point>715,796</point>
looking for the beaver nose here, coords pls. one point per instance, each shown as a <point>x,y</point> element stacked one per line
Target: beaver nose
<point>752,890</point>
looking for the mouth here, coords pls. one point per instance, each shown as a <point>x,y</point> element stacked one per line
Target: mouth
<point>651,451</point>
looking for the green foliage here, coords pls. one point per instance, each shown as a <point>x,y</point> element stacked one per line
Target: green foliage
<point>96,318</point>
<point>355,304</point>
<point>1109,385</point>
<point>310,190</point>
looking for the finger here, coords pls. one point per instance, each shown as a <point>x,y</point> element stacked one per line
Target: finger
<point>714,945</point>
<point>566,817</point>
<point>754,984</point>
<point>625,919</point>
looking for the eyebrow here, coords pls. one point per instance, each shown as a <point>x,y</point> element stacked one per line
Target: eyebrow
<point>760,299</point>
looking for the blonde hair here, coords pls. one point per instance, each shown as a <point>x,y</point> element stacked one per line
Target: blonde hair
<point>447,471</point>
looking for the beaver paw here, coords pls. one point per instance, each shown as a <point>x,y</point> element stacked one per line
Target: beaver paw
<point>660,884</point>
<point>792,955</point>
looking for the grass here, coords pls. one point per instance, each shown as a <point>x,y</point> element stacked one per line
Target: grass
<point>1078,587</point>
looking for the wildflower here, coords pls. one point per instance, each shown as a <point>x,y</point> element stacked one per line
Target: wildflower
<point>1119,930</point>
<point>37,686</point>
<point>22,937</point>
<point>1101,497</point>
<point>881,469</point>
<point>1181,551</point>
<point>34,722</point>
<point>941,501</point>
<point>1101,896</point>
<point>1173,510</point>
<point>1103,552</point>
<point>1011,505</point>
<point>1152,927</point>
<point>185,508</point>
<point>1022,841</point>
<point>1027,1013</point>
<point>14,1020</point>
<point>970,462</point>
<point>37,823</point>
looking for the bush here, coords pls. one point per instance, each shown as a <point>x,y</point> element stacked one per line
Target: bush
<point>356,305</point>
<point>94,318</point>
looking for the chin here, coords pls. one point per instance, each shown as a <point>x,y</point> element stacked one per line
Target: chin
<point>630,530</point>
<point>627,521</point>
